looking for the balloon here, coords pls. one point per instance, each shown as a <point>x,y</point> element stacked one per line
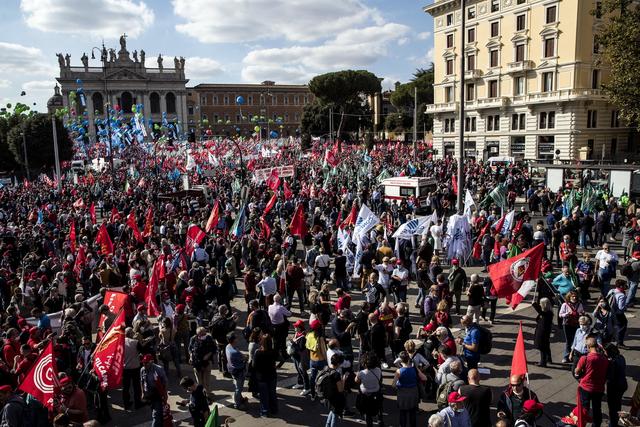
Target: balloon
<point>78,81</point>
<point>237,129</point>
<point>209,132</point>
<point>273,134</point>
<point>220,121</point>
<point>239,100</point>
<point>228,122</point>
<point>117,107</point>
<point>134,109</point>
<point>23,93</point>
<point>257,128</point>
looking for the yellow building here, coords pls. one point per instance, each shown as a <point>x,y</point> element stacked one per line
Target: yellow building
<point>531,81</point>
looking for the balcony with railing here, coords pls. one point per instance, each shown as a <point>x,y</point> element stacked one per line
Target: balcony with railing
<point>443,107</point>
<point>472,74</point>
<point>520,66</point>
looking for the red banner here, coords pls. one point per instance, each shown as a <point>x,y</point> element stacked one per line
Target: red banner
<point>103,239</point>
<point>270,204</point>
<point>213,218</point>
<point>72,237</point>
<point>194,236</point>
<point>42,379</point>
<point>515,277</point>
<point>298,224</point>
<point>92,212</point>
<point>287,190</point>
<point>108,358</point>
<point>115,300</point>
<point>131,222</point>
<point>152,288</point>
<point>273,182</point>
<point>148,225</point>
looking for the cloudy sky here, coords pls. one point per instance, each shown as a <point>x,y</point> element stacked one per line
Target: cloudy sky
<point>223,41</point>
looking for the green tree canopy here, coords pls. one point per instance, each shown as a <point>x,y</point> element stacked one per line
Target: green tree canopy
<point>403,99</point>
<point>11,116</point>
<point>619,42</point>
<point>39,140</point>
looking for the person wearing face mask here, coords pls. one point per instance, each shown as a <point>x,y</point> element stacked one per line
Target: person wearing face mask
<point>567,249</point>
<point>455,415</point>
<point>579,345</point>
<point>606,263</point>
<point>511,403</point>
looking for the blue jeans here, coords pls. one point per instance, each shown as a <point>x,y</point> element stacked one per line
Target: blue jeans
<point>156,413</point>
<point>316,366</point>
<point>268,397</point>
<point>332,419</point>
<point>420,299</point>
<point>303,377</point>
<point>633,288</point>
<point>238,384</point>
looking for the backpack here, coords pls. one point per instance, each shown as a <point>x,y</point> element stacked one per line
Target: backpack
<point>613,301</point>
<point>444,389</point>
<point>627,270</point>
<point>485,340</point>
<point>325,385</point>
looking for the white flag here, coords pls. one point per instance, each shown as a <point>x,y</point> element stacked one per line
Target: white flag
<point>433,219</point>
<point>191,163</point>
<point>213,160</point>
<point>508,223</point>
<point>458,239</point>
<point>413,227</point>
<point>468,202</point>
<point>366,221</point>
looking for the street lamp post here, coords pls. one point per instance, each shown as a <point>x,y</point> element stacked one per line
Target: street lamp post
<point>460,199</point>
<point>55,153</point>
<point>103,59</point>
<point>26,160</point>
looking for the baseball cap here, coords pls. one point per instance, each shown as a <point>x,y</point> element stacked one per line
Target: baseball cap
<point>65,380</point>
<point>147,358</point>
<point>298,323</point>
<point>315,324</point>
<point>455,397</point>
<point>5,388</point>
<point>399,262</point>
<point>454,261</point>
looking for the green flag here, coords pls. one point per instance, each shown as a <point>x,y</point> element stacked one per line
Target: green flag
<point>383,175</point>
<point>499,195</point>
<point>236,186</point>
<point>213,420</point>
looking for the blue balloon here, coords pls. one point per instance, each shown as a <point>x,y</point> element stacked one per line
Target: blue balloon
<point>78,81</point>
<point>240,100</point>
<point>273,134</point>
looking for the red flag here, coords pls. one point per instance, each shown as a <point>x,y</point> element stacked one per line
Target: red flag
<point>131,222</point>
<point>152,287</point>
<point>351,218</point>
<point>251,165</point>
<point>454,184</point>
<point>92,212</point>
<point>517,228</point>
<point>273,181</point>
<point>42,379</point>
<point>148,224</point>
<point>213,218</point>
<point>287,190</point>
<point>500,224</point>
<point>194,236</point>
<point>519,360</point>
<point>298,225</point>
<point>80,260</point>
<point>72,237</point>
<point>79,204</point>
<point>270,204</point>
<point>114,214</point>
<point>339,219</point>
<point>115,301</point>
<point>330,158</point>
<point>265,230</point>
<point>103,239</point>
<point>516,276</point>
<point>108,357</point>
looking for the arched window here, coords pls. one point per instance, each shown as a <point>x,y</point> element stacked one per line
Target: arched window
<point>171,103</point>
<point>98,103</point>
<point>154,100</point>
<point>126,101</point>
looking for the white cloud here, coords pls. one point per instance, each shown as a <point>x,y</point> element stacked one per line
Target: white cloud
<point>349,49</point>
<point>4,83</point>
<point>428,57</point>
<point>240,21</point>
<point>424,35</point>
<point>21,59</point>
<point>39,85</point>
<point>202,69</point>
<point>103,18</point>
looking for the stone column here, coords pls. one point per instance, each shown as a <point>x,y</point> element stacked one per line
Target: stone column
<point>90,108</point>
<point>147,108</point>
<point>185,114</point>
<point>163,102</point>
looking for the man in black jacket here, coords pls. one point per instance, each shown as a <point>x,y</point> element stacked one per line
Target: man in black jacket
<point>378,338</point>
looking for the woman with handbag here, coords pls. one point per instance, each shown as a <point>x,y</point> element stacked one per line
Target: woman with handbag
<point>406,381</point>
<point>369,399</point>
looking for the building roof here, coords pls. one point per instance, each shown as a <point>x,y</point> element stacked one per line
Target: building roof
<point>56,99</point>
<point>247,86</point>
<point>438,6</point>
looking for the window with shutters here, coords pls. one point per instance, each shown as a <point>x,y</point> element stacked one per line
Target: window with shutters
<point>493,58</point>
<point>520,22</point>
<point>520,52</point>
<point>471,35</point>
<point>493,89</point>
<point>471,62</point>
<point>551,13</point>
<point>495,29</point>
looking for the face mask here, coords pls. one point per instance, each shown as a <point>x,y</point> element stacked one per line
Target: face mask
<point>460,410</point>
<point>584,328</point>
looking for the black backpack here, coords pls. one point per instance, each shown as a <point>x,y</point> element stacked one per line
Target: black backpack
<point>326,387</point>
<point>485,340</point>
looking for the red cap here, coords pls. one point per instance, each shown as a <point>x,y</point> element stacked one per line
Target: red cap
<point>455,397</point>
<point>5,388</point>
<point>532,406</point>
<point>299,323</point>
<point>429,327</point>
<point>636,255</point>
<point>454,261</point>
<point>189,298</point>
<point>33,276</point>
<point>141,306</point>
<point>147,358</point>
<point>315,324</point>
<point>399,262</point>
<point>65,380</point>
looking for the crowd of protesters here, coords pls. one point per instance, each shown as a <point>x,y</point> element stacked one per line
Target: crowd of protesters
<point>351,333</point>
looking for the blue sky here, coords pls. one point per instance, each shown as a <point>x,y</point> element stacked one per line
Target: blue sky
<point>223,41</point>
